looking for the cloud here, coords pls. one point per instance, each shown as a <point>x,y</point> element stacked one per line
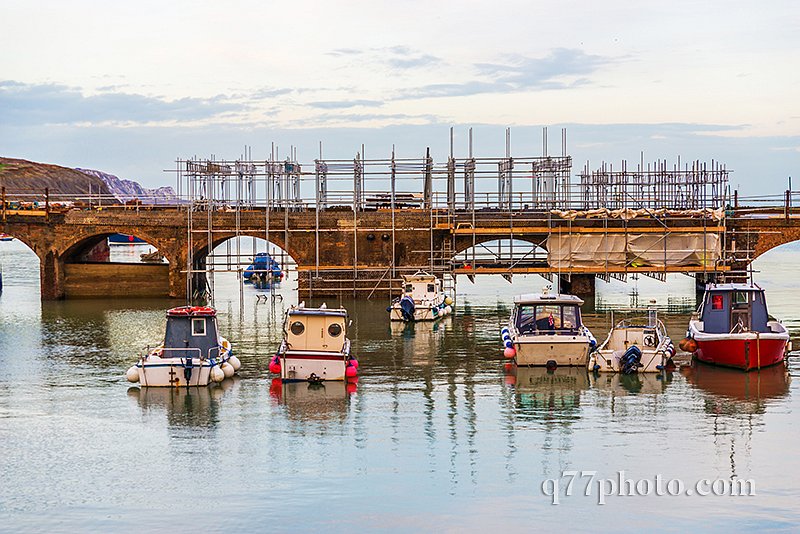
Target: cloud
<point>34,104</point>
<point>562,68</point>
<point>397,58</point>
<point>343,104</point>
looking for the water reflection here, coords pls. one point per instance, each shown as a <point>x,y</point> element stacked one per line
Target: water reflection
<point>733,392</point>
<point>194,407</point>
<point>620,384</point>
<point>304,401</point>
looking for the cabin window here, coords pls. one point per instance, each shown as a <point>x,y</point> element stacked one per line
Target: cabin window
<point>716,302</point>
<point>548,317</point>
<point>431,288</point>
<point>739,297</point>
<point>297,328</point>
<point>198,327</point>
<point>409,288</point>
<point>335,329</point>
<point>570,319</point>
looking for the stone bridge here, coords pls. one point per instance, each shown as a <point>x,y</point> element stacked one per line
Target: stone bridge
<point>336,251</point>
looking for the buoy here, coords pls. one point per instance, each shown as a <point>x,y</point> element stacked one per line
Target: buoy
<point>227,369</point>
<point>448,301</point>
<point>509,352</point>
<point>217,374</point>
<point>234,361</point>
<point>551,365</point>
<point>275,367</point>
<point>448,309</point>
<point>354,362</point>
<point>350,371</point>
<point>508,343</point>
<point>132,374</point>
<point>688,344</point>
<point>596,367</point>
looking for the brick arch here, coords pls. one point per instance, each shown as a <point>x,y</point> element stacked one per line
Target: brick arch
<point>83,238</point>
<point>200,246</point>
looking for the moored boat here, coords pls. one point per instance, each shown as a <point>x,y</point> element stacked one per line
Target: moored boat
<point>733,328</point>
<point>634,345</point>
<point>263,271</point>
<point>124,239</point>
<point>315,346</point>
<point>423,299</point>
<point>546,329</point>
<point>193,352</point>
<point>6,237</point>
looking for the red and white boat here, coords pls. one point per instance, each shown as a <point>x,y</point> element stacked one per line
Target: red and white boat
<point>732,328</point>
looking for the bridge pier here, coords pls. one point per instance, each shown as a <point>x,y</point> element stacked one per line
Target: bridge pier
<point>580,285</point>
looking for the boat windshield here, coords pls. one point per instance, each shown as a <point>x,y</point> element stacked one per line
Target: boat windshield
<point>547,319</point>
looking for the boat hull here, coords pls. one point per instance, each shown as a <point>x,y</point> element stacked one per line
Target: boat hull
<point>744,351</point>
<point>171,372</point>
<point>302,366</point>
<point>563,350</point>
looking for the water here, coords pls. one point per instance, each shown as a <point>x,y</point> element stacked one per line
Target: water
<point>435,436</point>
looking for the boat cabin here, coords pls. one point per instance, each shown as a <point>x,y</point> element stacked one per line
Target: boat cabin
<point>316,329</point>
<point>191,332</point>
<point>547,314</point>
<point>421,286</point>
<point>731,308</point>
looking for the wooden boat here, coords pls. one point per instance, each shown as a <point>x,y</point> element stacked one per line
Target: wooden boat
<point>634,345</point>
<point>193,352</point>
<point>546,329</point>
<point>315,346</point>
<point>733,328</point>
<point>423,299</point>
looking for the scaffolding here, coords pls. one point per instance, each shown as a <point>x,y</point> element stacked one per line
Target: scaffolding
<point>468,196</point>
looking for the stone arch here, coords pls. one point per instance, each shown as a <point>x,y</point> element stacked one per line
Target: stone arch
<point>83,239</point>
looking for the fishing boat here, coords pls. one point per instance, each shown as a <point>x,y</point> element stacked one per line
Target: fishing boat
<point>193,352</point>
<point>264,271</point>
<point>634,345</point>
<point>124,239</point>
<point>6,237</point>
<point>733,328</point>
<point>545,329</point>
<point>315,346</point>
<point>423,299</point>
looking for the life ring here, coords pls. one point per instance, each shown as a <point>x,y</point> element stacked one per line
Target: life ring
<point>649,341</point>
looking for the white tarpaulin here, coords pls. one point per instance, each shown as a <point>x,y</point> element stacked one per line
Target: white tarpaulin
<point>639,250</point>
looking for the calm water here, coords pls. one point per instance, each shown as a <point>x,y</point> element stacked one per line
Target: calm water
<point>435,437</point>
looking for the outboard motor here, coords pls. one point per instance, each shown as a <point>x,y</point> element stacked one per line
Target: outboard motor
<point>631,360</point>
<point>187,369</point>
<point>407,308</point>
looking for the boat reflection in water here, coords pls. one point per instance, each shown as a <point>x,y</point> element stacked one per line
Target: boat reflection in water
<point>184,406</point>
<point>421,342</point>
<point>309,401</point>
<point>548,395</point>
<point>732,392</point>
<point>619,384</point>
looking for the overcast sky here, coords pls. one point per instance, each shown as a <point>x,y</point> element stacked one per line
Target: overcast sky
<point>127,87</point>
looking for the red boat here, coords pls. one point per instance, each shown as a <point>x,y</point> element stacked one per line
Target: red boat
<point>732,328</point>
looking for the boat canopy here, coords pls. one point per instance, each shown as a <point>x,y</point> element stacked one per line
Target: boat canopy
<point>547,298</point>
<point>316,329</point>
<point>734,307</point>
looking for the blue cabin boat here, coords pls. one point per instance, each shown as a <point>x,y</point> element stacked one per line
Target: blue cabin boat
<point>264,270</point>
<point>124,239</point>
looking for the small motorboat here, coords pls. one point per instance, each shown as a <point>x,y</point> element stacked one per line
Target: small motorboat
<point>124,239</point>
<point>193,352</point>
<point>315,346</point>
<point>634,345</point>
<point>733,328</point>
<point>423,299</point>
<point>6,237</point>
<point>264,270</point>
<point>546,329</point>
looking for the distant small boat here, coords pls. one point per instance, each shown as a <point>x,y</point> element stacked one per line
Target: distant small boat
<point>423,299</point>
<point>6,237</point>
<point>634,345</point>
<point>124,239</point>
<point>546,330</point>
<point>193,352</point>
<point>733,328</point>
<point>315,346</point>
<point>264,271</point>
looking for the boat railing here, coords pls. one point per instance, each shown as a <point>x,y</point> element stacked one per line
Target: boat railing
<point>192,350</point>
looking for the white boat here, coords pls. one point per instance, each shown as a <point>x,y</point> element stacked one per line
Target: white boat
<point>545,329</point>
<point>423,299</point>
<point>315,346</point>
<point>193,352</point>
<point>634,345</point>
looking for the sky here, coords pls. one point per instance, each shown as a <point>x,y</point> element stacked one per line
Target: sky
<point>128,87</point>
